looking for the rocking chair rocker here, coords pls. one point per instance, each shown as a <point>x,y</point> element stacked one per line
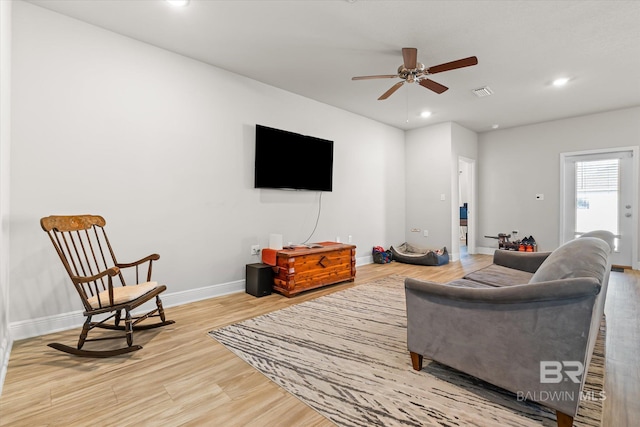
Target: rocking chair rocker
<point>86,253</point>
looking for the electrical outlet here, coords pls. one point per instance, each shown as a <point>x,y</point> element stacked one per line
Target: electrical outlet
<point>350,238</point>
<point>255,249</point>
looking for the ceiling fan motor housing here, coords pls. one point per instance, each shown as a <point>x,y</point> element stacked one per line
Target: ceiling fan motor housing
<point>411,75</point>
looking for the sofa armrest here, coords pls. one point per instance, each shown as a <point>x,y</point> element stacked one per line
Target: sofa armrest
<point>555,290</point>
<point>524,261</point>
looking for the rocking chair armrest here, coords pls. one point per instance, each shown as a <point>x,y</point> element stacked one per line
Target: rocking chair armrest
<point>113,271</point>
<point>152,257</point>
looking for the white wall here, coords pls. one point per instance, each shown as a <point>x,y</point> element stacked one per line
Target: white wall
<point>432,184</point>
<point>162,146</point>
<point>428,177</point>
<point>5,143</point>
<point>516,164</point>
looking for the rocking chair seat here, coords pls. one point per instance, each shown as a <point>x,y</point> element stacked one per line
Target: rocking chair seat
<point>121,294</point>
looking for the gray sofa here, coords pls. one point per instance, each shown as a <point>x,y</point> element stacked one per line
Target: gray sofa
<point>525,314</point>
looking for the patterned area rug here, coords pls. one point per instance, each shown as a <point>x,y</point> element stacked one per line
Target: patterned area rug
<point>345,355</point>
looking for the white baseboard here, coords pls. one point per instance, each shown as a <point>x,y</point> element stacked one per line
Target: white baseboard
<point>364,260</point>
<point>45,325</point>
<point>199,294</point>
<point>485,251</point>
<point>65,321</point>
<point>5,351</point>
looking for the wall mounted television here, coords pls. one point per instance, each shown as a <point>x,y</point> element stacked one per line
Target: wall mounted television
<point>287,160</point>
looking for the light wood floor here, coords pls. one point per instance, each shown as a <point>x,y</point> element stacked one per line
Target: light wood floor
<point>183,377</point>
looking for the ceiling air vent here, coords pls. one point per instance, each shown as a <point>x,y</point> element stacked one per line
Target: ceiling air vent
<point>482,92</point>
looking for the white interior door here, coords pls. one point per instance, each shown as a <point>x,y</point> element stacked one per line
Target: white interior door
<point>599,194</point>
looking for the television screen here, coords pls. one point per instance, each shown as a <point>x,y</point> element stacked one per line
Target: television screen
<point>289,160</point>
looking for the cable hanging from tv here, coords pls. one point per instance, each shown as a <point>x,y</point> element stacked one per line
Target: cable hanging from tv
<point>317,219</point>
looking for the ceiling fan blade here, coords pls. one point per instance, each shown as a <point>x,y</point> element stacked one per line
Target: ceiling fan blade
<point>460,63</point>
<point>410,56</point>
<point>383,76</point>
<point>434,86</point>
<point>388,93</point>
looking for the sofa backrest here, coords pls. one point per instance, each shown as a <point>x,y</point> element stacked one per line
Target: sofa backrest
<point>583,257</point>
<point>605,235</point>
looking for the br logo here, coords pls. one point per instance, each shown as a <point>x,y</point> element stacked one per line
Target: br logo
<point>553,371</point>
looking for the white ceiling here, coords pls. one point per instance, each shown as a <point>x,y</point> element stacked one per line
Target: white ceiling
<point>313,48</point>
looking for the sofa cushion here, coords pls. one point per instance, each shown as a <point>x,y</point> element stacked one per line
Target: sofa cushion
<point>497,275</point>
<point>463,283</point>
<point>564,263</point>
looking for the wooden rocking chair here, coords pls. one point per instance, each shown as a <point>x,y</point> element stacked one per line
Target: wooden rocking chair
<point>86,253</point>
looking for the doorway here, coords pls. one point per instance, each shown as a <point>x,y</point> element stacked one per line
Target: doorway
<point>599,192</point>
<point>465,213</point>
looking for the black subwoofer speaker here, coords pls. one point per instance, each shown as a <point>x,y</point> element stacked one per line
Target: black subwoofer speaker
<point>259,281</point>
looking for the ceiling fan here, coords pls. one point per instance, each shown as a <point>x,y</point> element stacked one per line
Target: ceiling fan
<point>413,71</point>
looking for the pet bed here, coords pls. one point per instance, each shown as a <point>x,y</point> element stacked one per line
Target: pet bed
<point>409,254</point>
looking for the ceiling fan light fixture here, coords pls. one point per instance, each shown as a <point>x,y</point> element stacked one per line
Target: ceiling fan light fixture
<point>412,71</point>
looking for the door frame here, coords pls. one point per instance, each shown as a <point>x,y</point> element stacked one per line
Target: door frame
<point>635,150</point>
<point>473,203</point>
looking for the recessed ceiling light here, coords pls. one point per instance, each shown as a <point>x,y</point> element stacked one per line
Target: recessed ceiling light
<point>496,126</point>
<point>425,114</point>
<point>560,82</point>
<point>178,3</point>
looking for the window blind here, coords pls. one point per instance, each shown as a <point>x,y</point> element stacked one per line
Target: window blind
<point>598,175</point>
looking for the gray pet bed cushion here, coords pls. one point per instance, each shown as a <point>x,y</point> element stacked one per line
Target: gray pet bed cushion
<point>409,254</point>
